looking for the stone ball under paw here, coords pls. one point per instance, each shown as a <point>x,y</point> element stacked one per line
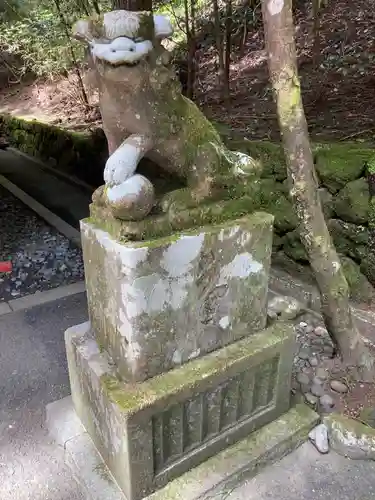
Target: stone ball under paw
<point>133,199</point>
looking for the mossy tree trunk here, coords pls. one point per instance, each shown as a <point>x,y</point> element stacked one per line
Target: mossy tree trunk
<point>133,5</point>
<point>371,242</point>
<point>282,61</point>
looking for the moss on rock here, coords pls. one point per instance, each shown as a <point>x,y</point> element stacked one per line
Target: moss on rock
<point>326,200</point>
<point>271,197</point>
<point>293,247</point>
<point>350,437</point>
<point>82,154</point>
<point>270,154</point>
<point>352,202</point>
<point>339,164</point>
<point>349,239</point>
<point>361,289</point>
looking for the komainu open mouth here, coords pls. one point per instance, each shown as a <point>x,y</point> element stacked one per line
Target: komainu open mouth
<point>121,51</point>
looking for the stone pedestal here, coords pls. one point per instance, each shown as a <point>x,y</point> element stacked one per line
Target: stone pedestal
<point>156,305</point>
<point>151,432</point>
<point>176,364</point>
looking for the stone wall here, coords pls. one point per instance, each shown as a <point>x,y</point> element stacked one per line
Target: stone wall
<point>345,196</point>
<point>80,154</point>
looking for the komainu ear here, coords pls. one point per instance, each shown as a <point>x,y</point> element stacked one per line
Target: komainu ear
<point>163,27</point>
<point>82,31</point>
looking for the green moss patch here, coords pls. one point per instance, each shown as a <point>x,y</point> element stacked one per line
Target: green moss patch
<point>339,164</point>
<point>352,202</point>
<point>270,154</point>
<point>134,397</point>
<point>82,154</point>
<point>359,286</point>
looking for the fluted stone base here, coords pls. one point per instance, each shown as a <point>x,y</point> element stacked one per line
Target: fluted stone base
<point>152,432</point>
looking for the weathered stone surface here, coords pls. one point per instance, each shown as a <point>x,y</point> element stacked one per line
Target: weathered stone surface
<point>151,432</point>
<point>158,304</point>
<point>310,399</point>
<point>285,307</point>
<point>337,165</point>
<point>321,331</point>
<point>360,288</point>
<point>350,437</point>
<point>338,386</point>
<point>319,437</point>
<point>145,115</point>
<point>212,478</point>
<point>317,390</point>
<point>293,247</point>
<point>352,202</point>
<point>349,239</point>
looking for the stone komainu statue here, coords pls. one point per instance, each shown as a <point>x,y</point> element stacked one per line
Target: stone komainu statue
<point>145,114</point>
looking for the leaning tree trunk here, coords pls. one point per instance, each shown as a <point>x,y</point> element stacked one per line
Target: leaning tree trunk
<point>219,44</point>
<point>370,259</point>
<point>133,5</point>
<point>279,36</point>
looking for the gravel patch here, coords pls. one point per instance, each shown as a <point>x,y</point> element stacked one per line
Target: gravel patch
<point>42,258</point>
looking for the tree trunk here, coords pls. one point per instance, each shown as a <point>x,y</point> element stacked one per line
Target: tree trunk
<point>192,50</point>
<point>371,242</point>
<point>95,4</point>
<point>74,60</point>
<point>280,44</point>
<point>133,5</point>
<point>228,49</point>
<point>219,43</point>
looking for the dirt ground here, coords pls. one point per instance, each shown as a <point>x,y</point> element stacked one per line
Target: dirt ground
<point>338,89</point>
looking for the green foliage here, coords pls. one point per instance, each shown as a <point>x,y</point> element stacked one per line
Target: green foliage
<point>34,30</point>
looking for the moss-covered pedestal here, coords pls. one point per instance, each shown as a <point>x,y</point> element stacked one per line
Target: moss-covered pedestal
<point>176,364</point>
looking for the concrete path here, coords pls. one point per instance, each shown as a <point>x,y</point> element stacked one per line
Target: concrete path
<point>307,475</point>
<point>64,198</point>
<point>33,372</point>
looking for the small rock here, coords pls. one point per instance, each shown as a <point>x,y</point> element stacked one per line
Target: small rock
<point>304,388</point>
<point>326,403</point>
<point>272,315</point>
<point>338,386</point>
<point>309,329</point>
<point>302,378</point>
<point>327,349</point>
<point>350,438</point>
<point>304,354</point>
<point>317,390</point>
<point>320,331</point>
<point>319,437</point>
<point>310,398</point>
<point>321,373</point>
<point>317,342</point>
<point>285,307</point>
<point>317,381</point>
<point>313,361</point>
<point>302,324</point>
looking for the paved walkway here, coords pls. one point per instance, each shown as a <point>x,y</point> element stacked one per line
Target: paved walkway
<point>33,373</point>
